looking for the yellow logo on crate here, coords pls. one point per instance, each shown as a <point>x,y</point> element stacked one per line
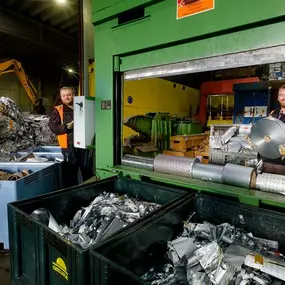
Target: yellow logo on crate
<point>60,267</point>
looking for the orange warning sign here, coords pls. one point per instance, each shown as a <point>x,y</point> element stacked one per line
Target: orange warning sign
<point>186,8</point>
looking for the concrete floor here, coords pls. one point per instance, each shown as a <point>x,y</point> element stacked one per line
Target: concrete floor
<point>5,269</point>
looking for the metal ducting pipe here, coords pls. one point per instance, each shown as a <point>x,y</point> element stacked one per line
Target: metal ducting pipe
<point>271,183</point>
<point>182,166</point>
<point>238,175</point>
<point>208,172</point>
<point>138,162</point>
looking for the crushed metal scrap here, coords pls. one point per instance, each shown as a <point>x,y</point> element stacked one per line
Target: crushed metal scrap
<point>19,132</point>
<point>105,215</point>
<point>219,255</point>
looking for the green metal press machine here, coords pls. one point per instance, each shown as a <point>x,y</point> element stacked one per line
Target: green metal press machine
<point>156,38</point>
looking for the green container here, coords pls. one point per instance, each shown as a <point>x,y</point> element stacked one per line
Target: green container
<point>127,257</point>
<point>39,256</point>
<point>186,128</point>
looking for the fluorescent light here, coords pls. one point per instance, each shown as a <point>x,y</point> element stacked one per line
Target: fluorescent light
<point>61,1</point>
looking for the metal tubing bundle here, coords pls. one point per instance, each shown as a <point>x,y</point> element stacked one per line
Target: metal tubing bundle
<point>238,175</point>
<point>182,166</point>
<point>208,172</point>
<point>138,162</point>
<point>271,183</point>
<point>231,174</point>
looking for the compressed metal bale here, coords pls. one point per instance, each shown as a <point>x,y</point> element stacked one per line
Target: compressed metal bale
<point>181,166</point>
<point>207,172</point>
<point>138,162</point>
<point>271,183</point>
<point>238,175</point>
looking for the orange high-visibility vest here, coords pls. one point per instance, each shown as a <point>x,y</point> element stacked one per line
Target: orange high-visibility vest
<point>62,139</point>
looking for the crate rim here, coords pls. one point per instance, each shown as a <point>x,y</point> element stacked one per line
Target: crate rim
<point>153,215</point>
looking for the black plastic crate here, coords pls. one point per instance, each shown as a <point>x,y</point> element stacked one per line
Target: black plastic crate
<point>128,258</point>
<point>39,256</point>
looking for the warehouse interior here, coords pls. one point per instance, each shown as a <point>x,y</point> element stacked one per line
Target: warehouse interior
<point>130,159</point>
<point>43,37</point>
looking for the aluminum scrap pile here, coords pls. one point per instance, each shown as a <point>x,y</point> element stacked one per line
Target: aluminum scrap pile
<point>107,213</point>
<point>220,255</point>
<point>232,145</point>
<point>233,139</point>
<point>19,132</point>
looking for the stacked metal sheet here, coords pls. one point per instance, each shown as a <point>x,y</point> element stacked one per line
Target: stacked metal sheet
<point>19,132</point>
<point>220,255</point>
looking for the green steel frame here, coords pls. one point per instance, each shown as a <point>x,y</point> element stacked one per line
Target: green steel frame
<point>155,38</point>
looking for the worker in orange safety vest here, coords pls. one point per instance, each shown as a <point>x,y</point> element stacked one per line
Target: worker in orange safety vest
<point>61,124</point>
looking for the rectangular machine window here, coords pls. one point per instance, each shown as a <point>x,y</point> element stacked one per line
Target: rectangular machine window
<point>163,105</point>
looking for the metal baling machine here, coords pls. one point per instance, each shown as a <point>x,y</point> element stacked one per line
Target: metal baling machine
<point>267,135</point>
<point>123,53</point>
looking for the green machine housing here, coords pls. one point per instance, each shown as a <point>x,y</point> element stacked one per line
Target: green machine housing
<point>144,38</point>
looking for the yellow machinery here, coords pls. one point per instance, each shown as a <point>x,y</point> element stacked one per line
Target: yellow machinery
<point>13,65</point>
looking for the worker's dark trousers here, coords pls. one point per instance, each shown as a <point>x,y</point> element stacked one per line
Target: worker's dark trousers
<point>77,166</point>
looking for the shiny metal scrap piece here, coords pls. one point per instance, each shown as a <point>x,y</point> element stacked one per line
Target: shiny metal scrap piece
<point>271,183</point>
<point>268,134</point>
<point>238,175</point>
<point>182,166</point>
<point>228,134</point>
<point>138,162</point>
<point>207,172</point>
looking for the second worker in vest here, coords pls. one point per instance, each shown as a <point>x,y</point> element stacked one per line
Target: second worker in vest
<point>78,165</point>
<point>277,166</point>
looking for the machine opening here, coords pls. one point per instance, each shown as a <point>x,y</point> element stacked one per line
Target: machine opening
<point>179,114</point>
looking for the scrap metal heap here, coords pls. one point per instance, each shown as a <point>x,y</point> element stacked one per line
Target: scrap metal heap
<point>232,145</point>
<point>19,132</point>
<point>106,214</point>
<point>208,254</point>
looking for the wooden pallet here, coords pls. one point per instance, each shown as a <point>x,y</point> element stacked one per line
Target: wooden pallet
<point>185,143</point>
<point>203,156</point>
<point>190,153</point>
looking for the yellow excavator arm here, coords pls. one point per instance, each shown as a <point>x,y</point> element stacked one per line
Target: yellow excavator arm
<point>13,65</point>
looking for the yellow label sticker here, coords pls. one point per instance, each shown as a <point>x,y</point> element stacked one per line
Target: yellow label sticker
<point>60,267</point>
<point>258,259</point>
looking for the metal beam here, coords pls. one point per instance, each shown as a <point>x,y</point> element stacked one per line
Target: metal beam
<point>11,23</point>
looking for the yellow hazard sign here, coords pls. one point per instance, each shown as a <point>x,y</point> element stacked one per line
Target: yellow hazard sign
<point>60,267</point>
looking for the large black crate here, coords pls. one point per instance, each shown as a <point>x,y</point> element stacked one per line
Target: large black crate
<point>124,259</point>
<point>39,256</point>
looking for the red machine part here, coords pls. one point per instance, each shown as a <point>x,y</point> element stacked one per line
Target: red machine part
<point>218,87</point>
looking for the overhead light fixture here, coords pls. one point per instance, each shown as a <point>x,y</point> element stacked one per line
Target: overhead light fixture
<point>70,70</point>
<point>61,1</point>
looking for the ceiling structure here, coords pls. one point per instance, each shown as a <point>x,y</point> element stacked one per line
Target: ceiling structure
<point>40,33</point>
